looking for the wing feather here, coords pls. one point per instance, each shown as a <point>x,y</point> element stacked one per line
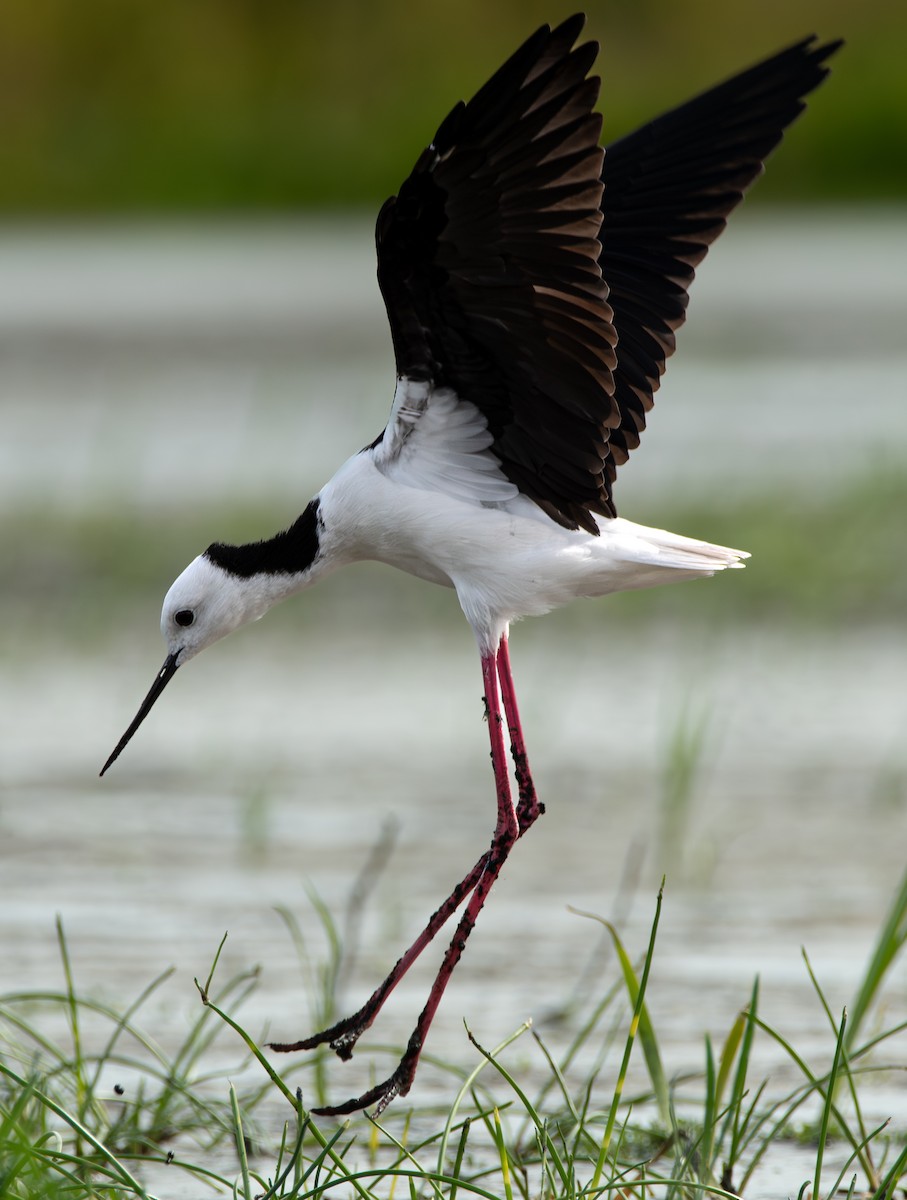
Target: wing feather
<point>505,251</point>
<point>488,263</point>
<point>669,189</point>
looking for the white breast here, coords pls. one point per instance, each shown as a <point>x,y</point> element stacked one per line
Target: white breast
<point>506,559</point>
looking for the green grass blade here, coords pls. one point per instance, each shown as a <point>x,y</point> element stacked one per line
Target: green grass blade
<point>829,1104</point>
<point>114,1164</point>
<point>528,1106</point>
<point>407,1155</point>
<point>681,761</point>
<point>579,1042</point>
<point>864,1145</point>
<point>639,1022</point>
<point>278,1082</point>
<point>848,1074</point>
<point>816,1084</point>
<point>892,939</point>
<point>72,1004</point>
<point>466,1086</point>
<point>122,1024</point>
<point>707,1141</point>
<point>458,1159</point>
<point>885,1190</point>
<point>732,1044</point>
<point>735,1123</point>
<point>557,1077</point>
<point>240,1144</point>
<point>250,1043</point>
<point>503,1156</point>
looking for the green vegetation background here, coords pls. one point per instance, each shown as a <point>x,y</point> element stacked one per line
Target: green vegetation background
<point>139,106</point>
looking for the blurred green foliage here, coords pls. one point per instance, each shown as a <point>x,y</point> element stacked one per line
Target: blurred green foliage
<point>823,561</point>
<point>199,105</point>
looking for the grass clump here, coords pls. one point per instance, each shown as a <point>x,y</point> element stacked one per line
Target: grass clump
<point>581,1123</point>
<point>67,1125</point>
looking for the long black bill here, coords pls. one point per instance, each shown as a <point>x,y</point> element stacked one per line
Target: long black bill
<point>166,673</point>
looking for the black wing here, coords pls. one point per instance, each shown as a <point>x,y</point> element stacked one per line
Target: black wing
<point>669,188</point>
<point>488,264</point>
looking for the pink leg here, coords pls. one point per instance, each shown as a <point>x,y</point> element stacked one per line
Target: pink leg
<point>344,1035</point>
<point>479,881</point>
<point>529,809</point>
<point>398,1084</point>
<point>507,830</point>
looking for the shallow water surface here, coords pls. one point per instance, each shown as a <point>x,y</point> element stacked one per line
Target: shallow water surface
<point>266,774</point>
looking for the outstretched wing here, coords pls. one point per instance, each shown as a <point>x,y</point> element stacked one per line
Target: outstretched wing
<point>488,264</point>
<point>669,188</point>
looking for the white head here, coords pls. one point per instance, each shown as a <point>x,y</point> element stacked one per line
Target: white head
<point>204,604</point>
<point>224,588</point>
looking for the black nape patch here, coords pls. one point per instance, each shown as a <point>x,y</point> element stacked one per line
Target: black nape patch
<point>287,553</point>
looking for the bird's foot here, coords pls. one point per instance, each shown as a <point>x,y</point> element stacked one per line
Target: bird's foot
<point>341,1037</point>
<point>380,1095</point>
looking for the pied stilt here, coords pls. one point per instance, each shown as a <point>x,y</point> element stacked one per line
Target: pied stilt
<point>533,284</point>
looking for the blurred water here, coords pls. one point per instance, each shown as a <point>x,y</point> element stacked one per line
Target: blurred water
<point>163,360</point>
<point>162,367</point>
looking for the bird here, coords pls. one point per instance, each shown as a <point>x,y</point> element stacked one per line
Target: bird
<point>534,282</point>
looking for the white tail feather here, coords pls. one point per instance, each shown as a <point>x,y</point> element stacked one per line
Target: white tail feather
<point>659,548</point>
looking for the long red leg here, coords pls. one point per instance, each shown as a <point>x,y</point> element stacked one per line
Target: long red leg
<point>529,809</point>
<point>344,1035</point>
<point>507,830</point>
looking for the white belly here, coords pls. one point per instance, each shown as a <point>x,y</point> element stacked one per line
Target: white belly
<point>506,561</point>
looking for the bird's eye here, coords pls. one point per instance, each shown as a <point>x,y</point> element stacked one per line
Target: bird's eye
<point>184,617</point>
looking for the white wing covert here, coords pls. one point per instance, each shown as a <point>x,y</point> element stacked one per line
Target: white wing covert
<point>439,443</point>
